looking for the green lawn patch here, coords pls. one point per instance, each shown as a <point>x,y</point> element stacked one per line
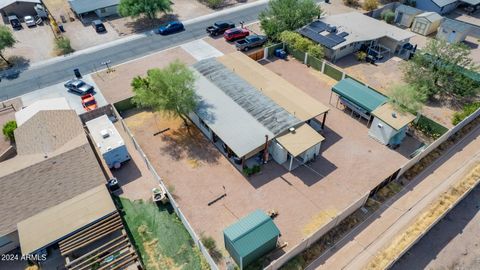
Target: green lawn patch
<point>160,237</point>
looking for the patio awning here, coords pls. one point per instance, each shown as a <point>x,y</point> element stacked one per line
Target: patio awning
<point>392,117</point>
<point>299,141</point>
<point>359,94</point>
<point>60,221</point>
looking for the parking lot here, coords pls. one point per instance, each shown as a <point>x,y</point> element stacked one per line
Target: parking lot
<point>59,90</point>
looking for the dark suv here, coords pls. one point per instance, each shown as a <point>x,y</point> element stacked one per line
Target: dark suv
<point>15,22</point>
<point>98,26</point>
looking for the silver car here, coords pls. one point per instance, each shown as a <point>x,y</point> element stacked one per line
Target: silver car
<point>79,86</point>
<point>29,21</point>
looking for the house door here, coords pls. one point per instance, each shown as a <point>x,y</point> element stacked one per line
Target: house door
<point>420,27</point>
<point>451,37</point>
<point>399,17</point>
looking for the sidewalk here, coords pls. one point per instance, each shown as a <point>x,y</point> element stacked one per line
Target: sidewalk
<point>356,250</point>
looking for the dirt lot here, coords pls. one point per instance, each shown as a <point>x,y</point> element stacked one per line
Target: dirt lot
<point>189,163</point>
<point>116,85</point>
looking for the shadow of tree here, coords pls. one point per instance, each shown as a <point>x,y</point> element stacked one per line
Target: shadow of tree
<point>143,24</point>
<point>189,143</point>
<point>18,65</point>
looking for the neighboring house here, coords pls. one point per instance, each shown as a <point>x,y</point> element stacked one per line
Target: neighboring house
<point>54,164</point>
<point>251,237</point>
<point>346,33</point>
<point>426,23</point>
<point>438,6</point>
<point>248,111</point>
<point>21,8</point>
<point>453,31</point>
<point>102,8</point>
<point>404,15</point>
<point>389,126</point>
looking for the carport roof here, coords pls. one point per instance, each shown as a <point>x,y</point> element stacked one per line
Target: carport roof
<point>359,94</point>
<point>57,222</point>
<point>5,3</point>
<point>84,6</point>
<point>299,141</point>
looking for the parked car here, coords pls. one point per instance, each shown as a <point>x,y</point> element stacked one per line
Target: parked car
<point>88,102</point>
<point>29,21</point>
<point>15,22</point>
<point>250,42</point>
<point>170,28</point>
<point>219,28</point>
<point>79,86</point>
<point>235,33</point>
<point>98,26</point>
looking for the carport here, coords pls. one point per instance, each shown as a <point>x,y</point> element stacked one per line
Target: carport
<point>359,98</point>
<point>251,237</point>
<point>21,8</point>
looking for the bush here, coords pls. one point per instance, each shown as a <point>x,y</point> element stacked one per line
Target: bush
<point>465,112</point>
<point>300,43</point>
<point>370,5</point>
<point>214,3</point>
<point>351,3</point>
<point>8,129</point>
<point>251,171</point>
<point>62,46</point>
<point>388,16</point>
<point>361,56</point>
<point>211,246</point>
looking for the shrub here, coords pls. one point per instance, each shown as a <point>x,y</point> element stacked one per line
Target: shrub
<point>8,129</point>
<point>465,112</point>
<point>63,46</point>
<point>300,43</point>
<point>351,3</point>
<point>370,5</point>
<point>388,16</point>
<point>316,51</point>
<point>214,3</point>
<point>208,242</point>
<point>361,56</point>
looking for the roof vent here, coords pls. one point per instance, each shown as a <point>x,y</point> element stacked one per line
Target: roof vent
<point>394,114</point>
<point>292,129</point>
<point>104,133</point>
<point>332,29</point>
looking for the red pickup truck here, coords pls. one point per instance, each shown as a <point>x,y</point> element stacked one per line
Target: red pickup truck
<point>235,33</point>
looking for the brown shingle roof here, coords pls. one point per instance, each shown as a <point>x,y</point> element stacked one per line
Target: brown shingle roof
<point>31,183</point>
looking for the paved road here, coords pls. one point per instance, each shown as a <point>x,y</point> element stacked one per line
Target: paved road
<point>55,72</point>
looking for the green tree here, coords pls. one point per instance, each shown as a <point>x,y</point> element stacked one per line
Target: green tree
<point>406,98</point>
<point>8,129</point>
<point>150,8</point>
<point>170,90</point>
<point>298,42</point>
<point>6,41</point>
<point>282,15</point>
<point>370,5</point>
<point>443,70</point>
<point>63,46</point>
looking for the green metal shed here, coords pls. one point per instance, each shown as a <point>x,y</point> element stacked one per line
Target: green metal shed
<point>359,94</point>
<point>251,237</point>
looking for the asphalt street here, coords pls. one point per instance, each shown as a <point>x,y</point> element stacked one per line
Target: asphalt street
<point>36,78</point>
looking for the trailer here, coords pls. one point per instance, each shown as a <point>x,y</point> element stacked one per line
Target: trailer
<point>108,141</point>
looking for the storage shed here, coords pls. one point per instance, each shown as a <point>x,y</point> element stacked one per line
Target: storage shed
<point>251,237</point>
<point>426,23</point>
<point>108,141</point>
<point>389,126</point>
<point>359,98</point>
<point>404,15</point>
<point>453,31</point>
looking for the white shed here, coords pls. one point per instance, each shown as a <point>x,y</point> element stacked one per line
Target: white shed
<point>389,126</point>
<point>453,31</point>
<point>426,23</point>
<point>404,15</point>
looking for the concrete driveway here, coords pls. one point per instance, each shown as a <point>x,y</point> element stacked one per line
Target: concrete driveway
<point>58,90</point>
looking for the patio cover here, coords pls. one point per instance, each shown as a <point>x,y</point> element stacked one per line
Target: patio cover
<point>299,141</point>
<point>359,94</point>
<point>59,221</point>
<point>392,117</point>
<point>292,99</point>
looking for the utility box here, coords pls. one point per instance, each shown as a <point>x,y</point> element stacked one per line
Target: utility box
<point>108,141</point>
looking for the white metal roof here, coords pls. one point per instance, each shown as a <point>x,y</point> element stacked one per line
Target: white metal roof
<point>234,125</point>
<point>104,134</point>
<point>455,25</point>
<point>430,16</point>
<point>4,3</point>
<point>363,28</point>
<point>83,6</point>
<point>408,10</point>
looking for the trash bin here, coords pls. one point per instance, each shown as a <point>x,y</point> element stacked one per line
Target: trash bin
<point>77,73</point>
<point>61,28</point>
<point>281,53</point>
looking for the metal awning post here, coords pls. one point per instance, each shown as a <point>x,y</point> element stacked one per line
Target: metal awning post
<point>324,119</point>
<point>330,99</point>
<point>291,162</point>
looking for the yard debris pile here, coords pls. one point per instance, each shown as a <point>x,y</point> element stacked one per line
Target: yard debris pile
<point>319,220</point>
<point>436,210</point>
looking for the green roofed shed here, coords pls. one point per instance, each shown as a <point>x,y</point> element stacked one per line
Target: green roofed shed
<point>251,237</point>
<point>359,94</point>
